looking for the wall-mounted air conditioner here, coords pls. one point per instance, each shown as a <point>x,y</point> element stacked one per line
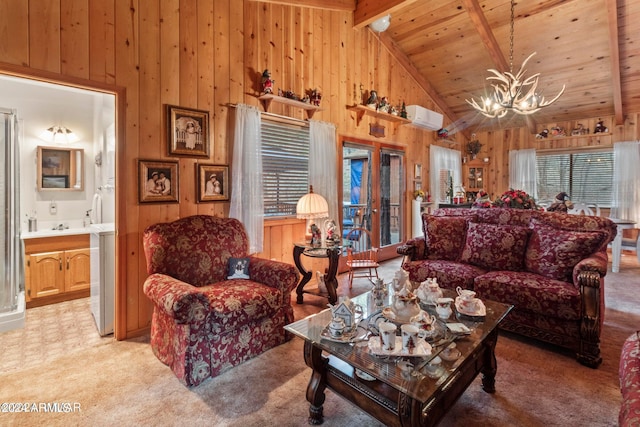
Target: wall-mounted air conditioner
<point>424,118</point>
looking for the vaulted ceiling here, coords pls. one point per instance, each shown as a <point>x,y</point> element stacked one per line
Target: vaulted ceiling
<point>590,46</point>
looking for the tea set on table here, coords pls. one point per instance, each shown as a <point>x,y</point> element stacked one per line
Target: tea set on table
<point>404,328</point>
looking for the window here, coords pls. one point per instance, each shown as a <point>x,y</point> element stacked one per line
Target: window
<point>586,176</point>
<point>285,166</point>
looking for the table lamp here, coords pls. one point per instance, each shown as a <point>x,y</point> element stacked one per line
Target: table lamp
<point>311,206</point>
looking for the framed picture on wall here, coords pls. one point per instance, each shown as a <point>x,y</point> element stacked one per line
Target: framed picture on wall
<point>157,181</point>
<point>417,172</point>
<point>188,132</point>
<point>213,183</point>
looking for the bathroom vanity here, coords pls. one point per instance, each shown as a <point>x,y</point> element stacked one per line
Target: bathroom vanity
<point>57,266</point>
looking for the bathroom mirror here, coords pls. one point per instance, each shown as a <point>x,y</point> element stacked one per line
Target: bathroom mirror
<point>60,169</point>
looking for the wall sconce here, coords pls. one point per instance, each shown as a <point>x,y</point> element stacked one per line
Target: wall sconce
<point>59,134</point>
<point>381,25</point>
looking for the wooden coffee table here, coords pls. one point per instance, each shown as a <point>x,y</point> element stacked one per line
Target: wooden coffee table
<point>385,387</point>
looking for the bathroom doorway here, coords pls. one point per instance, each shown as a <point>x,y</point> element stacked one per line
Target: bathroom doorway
<point>91,116</point>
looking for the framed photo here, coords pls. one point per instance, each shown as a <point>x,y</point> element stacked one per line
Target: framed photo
<point>213,183</point>
<point>417,172</point>
<point>188,132</point>
<point>157,181</point>
<point>417,185</point>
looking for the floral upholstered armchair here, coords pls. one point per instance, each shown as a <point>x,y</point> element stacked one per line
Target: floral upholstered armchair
<point>208,315</point>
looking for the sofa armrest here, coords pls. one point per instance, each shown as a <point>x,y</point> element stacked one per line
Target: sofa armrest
<point>596,262</point>
<point>275,274</point>
<point>183,302</point>
<point>413,249</point>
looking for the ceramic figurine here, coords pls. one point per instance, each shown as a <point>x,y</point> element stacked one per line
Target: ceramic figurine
<point>267,83</point>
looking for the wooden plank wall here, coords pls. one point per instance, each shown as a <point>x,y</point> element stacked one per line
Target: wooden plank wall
<point>207,55</point>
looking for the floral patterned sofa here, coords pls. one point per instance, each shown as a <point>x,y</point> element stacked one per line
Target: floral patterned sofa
<point>204,323</point>
<point>630,382</point>
<point>549,266</point>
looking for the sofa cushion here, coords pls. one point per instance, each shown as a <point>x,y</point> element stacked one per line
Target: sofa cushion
<point>450,274</point>
<point>531,292</point>
<point>237,302</point>
<point>445,236</point>
<point>553,252</point>
<point>495,247</point>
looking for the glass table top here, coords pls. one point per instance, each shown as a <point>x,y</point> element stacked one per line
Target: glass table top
<point>420,376</point>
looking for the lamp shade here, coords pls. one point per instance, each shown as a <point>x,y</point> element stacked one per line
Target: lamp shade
<point>312,205</point>
<point>380,25</point>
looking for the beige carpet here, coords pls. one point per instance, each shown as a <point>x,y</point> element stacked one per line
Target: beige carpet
<point>122,383</point>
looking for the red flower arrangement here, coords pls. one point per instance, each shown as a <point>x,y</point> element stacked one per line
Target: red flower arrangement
<point>516,199</point>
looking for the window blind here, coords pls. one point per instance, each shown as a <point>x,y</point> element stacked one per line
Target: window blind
<point>285,166</point>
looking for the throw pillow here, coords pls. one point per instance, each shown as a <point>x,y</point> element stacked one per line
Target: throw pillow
<point>238,268</point>
<point>553,252</point>
<point>495,247</point>
<point>445,236</point>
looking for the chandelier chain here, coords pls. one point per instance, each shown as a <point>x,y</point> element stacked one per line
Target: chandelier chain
<point>513,6</point>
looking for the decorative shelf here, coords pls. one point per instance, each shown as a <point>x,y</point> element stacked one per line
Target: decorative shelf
<point>561,138</point>
<point>268,98</point>
<point>361,110</point>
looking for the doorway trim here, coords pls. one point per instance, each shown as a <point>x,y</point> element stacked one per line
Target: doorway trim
<point>120,224</point>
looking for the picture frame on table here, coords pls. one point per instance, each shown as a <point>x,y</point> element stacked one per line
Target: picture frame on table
<point>188,132</point>
<point>213,183</point>
<point>157,181</point>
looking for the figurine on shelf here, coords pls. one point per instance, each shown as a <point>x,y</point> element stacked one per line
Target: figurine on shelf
<point>600,128</point>
<point>372,101</point>
<point>403,111</point>
<point>315,96</point>
<point>316,235</point>
<point>579,130</point>
<point>443,133</point>
<point>267,83</point>
<point>544,133</point>
<point>383,106</point>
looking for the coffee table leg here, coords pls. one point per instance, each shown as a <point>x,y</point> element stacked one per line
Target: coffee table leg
<point>490,364</point>
<point>317,383</point>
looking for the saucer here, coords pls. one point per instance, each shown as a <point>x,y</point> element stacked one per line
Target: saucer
<point>344,338</point>
<point>388,313</point>
<point>480,310</point>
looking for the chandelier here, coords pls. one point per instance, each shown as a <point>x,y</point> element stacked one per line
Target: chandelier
<point>513,92</point>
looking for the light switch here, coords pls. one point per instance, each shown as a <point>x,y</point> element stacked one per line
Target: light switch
<point>53,208</point>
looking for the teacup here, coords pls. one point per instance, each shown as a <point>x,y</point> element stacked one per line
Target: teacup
<point>409,337</point>
<point>465,294</point>
<point>387,335</point>
<point>469,304</point>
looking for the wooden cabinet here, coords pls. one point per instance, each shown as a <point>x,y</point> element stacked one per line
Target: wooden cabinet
<point>474,178</point>
<point>57,269</point>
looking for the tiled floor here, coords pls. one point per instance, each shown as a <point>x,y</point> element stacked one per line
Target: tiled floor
<point>50,331</point>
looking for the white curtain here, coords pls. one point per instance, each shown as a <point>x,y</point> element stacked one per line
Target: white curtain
<point>626,181</point>
<point>522,171</point>
<point>443,159</point>
<point>246,183</point>
<point>322,163</point>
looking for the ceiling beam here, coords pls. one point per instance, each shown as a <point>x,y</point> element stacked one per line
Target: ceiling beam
<point>486,35</point>
<point>342,5</point>
<point>368,11</point>
<point>612,12</point>
<point>405,62</point>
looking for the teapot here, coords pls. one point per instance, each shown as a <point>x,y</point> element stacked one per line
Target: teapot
<point>405,305</point>
<point>337,327</point>
<point>429,291</point>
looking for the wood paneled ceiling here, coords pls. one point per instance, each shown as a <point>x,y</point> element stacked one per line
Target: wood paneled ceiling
<point>591,46</point>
